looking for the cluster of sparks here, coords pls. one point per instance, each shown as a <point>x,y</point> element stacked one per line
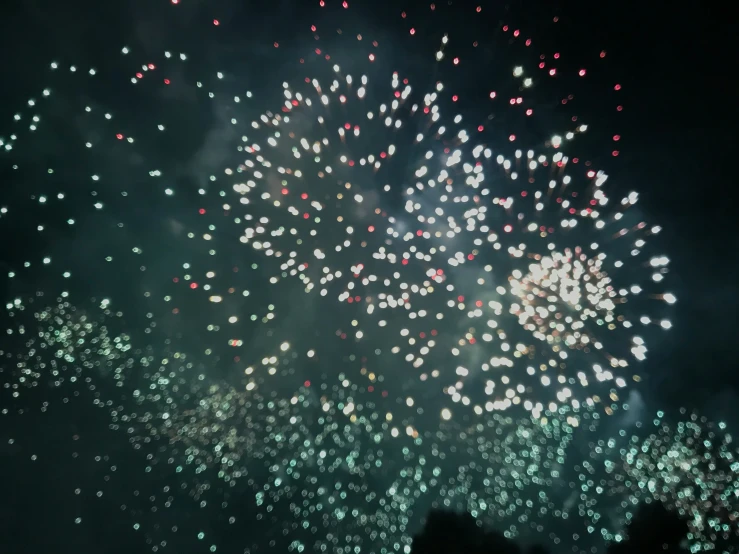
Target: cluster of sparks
<point>486,246</point>
<point>688,465</point>
<point>328,456</point>
<point>422,311</point>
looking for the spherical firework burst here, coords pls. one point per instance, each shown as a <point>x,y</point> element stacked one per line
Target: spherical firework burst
<point>508,277</point>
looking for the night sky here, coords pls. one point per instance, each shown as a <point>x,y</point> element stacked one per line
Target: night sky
<point>674,82</point>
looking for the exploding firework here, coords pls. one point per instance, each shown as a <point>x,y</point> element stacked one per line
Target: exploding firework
<point>500,275</point>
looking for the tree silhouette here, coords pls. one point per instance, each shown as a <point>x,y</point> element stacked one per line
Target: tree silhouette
<point>653,530</point>
<point>448,532</point>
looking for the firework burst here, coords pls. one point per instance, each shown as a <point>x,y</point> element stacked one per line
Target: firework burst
<point>501,276</point>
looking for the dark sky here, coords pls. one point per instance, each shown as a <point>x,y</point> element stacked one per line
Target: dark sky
<point>678,141</point>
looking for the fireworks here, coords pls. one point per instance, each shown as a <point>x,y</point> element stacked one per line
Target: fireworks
<point>690,466</point>
<point>324,443</point>
<point>378,298</point>
<point>507,272</point>
<point>330,455</point>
